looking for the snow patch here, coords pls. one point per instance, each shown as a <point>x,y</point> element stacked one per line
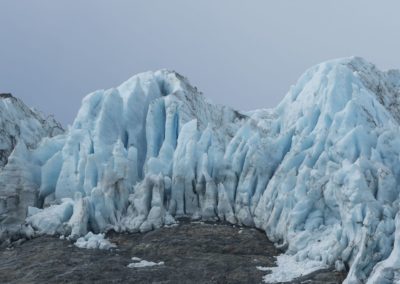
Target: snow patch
<point>288,269</point>
<point>140,263</point>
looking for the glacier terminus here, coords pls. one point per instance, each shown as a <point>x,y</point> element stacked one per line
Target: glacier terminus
<point>319,173</point>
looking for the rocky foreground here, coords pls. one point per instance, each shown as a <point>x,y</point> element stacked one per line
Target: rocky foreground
<point>191,252</point>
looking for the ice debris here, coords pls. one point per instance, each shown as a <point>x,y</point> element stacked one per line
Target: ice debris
<point>94,241</point>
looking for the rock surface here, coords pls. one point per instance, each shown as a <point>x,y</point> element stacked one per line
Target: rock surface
<point>192,252</point>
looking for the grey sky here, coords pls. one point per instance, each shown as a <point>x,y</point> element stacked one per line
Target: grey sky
<point>245,54</point>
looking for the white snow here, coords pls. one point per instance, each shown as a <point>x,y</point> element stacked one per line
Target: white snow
<point>289,268</point>
<point>319,173</point>
<point>94,241</point>
<point>140,263</point>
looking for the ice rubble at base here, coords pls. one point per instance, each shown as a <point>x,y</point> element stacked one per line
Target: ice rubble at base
<point>319,173</point>
<point>94,241</point>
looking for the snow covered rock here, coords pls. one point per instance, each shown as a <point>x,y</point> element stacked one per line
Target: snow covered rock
<point>319,173</point>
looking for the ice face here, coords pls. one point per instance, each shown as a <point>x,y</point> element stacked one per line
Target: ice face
<point>319,173</point>
<point>21,130</point>
<point>20,123</point>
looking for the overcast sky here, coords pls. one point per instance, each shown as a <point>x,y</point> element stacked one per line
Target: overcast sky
<point>245,54</point>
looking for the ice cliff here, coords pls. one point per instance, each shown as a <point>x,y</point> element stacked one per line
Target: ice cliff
<point>319,173</point>
<point>20,127</point>
<point>20,123</point>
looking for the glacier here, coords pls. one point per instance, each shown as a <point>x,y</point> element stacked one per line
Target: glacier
<point>19,123</point>
<point>23,128</point>
<point>319,173</point>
